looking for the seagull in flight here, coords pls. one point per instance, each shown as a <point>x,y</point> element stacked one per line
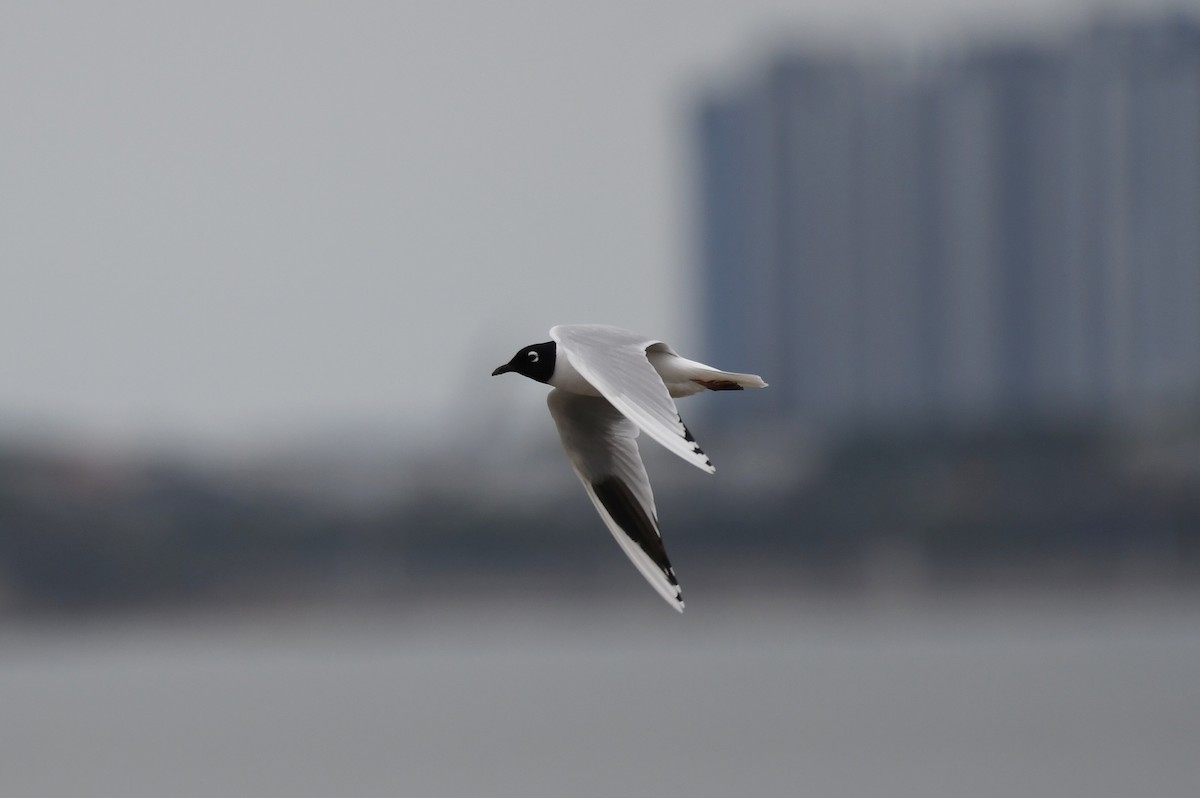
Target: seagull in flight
<point>609,385</point>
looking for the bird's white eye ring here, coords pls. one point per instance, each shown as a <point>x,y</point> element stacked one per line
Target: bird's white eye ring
<point>533,356</point>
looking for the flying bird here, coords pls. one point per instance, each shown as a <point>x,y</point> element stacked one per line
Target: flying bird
<point>609,385</point>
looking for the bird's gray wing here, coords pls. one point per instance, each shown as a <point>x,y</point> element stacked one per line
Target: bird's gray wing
<point>602,447</point>
<point>614,361</point>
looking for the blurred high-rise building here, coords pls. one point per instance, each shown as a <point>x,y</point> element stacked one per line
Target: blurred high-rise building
<point>1012,231</point>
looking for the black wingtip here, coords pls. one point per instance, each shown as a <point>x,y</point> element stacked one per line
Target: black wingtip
<point>687,436</point>
<point>629,514</point>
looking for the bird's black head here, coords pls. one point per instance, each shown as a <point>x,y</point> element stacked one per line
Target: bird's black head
<point>535,361</point>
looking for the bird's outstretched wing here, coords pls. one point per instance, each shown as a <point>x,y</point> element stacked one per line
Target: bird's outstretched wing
<point>614,361</point>
<point>602,447</point>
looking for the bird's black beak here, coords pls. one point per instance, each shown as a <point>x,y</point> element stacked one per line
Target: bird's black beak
<point>502,369</point>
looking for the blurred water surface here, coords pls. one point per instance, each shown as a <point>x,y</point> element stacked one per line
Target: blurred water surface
<point>1006,696</point>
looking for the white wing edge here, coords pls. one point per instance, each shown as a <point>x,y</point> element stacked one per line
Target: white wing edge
<point>671,593</point>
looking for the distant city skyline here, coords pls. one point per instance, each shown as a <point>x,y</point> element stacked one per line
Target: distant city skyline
<point>1009,230</point>
<point>233,223</point>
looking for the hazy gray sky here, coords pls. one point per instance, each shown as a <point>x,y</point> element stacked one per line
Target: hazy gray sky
<point>226,221</point>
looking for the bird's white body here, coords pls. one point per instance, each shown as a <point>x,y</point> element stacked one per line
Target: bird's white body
<point>678,374</point>
<point>567,378</point>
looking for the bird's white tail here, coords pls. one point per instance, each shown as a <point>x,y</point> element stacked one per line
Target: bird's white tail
<point>684,377</point>
<point>716,380</point>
